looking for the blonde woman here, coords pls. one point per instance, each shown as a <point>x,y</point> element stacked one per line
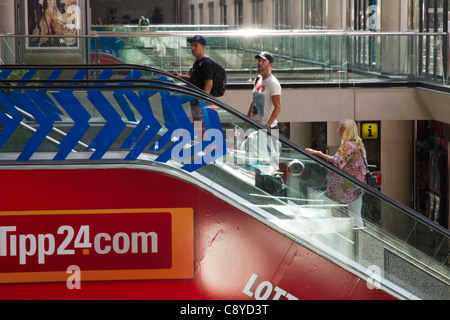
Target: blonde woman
<point>350,158</point>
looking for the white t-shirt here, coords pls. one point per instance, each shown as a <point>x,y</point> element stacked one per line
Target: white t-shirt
<point>263,106</point>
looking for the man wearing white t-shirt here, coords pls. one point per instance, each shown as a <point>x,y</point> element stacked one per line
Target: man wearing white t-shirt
<point>265,108</point>
<point>266,104</point>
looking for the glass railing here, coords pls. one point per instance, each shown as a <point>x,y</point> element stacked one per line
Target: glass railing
<point>301,56</point>
<point>130,27</point>
<point>110,115</point>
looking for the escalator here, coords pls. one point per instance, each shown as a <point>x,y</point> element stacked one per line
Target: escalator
<point>113,187</point>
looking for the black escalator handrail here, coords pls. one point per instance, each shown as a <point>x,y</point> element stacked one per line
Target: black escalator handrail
<point>89,67</point>
<point>81,66</point>
<point>130,67</point>
<point>95,67</point>
<point>92,67</point>
<point>199,94</point>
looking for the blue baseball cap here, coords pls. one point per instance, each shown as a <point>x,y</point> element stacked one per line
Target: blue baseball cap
<point>198,39</point>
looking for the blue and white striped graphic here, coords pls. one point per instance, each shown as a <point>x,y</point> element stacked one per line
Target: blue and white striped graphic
<point>113,110</point>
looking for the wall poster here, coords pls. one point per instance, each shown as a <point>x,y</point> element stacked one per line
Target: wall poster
<point>53,18</point>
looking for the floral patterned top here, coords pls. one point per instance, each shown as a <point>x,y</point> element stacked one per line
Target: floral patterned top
<point>349,159</point>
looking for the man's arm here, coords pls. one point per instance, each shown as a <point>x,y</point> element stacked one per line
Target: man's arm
<point>276,110</point>
<point>182,76</point>
<point>208,74</point>
<point>250,110</point>
<point>208,86</point>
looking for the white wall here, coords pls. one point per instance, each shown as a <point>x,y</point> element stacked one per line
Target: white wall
<point>362,104</point>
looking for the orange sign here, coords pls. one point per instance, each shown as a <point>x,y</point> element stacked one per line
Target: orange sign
<point>128,244</point>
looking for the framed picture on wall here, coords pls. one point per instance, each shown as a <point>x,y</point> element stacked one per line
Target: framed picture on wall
<point>48,19</point>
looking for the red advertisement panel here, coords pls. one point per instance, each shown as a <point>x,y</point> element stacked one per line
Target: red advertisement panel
<point>217,251</point>
<point>103,244</point>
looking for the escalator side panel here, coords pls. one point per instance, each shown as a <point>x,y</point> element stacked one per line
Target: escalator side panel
<point>235,256</point>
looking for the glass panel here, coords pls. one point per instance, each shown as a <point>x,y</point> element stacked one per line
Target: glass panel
<point>259,171</point>
<point>307,56</point>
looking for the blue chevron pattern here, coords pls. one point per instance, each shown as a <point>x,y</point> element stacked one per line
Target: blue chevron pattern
<point>47,107</point>
<point>112,45</point>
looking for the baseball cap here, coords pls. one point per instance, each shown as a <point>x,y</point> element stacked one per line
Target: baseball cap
<point>266,56</point>
<point>198,39</point>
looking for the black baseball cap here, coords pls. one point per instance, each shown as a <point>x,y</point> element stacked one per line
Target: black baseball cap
<point>198,39</point>
<point>266,56</point>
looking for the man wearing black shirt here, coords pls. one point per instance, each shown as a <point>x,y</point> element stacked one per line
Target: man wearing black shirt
<point>202,73</point>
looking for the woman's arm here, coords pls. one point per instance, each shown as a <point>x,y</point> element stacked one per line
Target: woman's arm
<point>320,154</point>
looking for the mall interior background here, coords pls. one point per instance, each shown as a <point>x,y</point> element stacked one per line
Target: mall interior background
<point>411,155</point>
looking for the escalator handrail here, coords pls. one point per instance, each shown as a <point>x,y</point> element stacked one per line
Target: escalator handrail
<point>89,67</point>
<point>199,94</point>
<point>131,67</point>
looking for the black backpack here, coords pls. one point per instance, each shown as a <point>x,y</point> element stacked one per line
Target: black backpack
<point>219,81</point>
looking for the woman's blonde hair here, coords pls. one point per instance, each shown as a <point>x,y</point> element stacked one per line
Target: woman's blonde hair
<point>351,133</point>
